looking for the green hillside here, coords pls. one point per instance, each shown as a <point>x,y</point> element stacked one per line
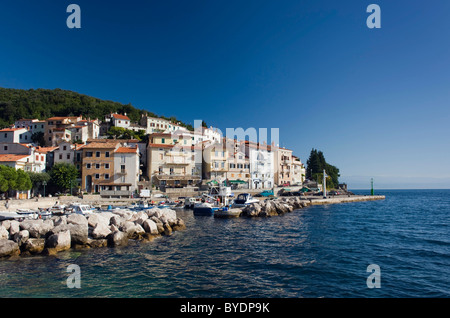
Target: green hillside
<point>44,103</point>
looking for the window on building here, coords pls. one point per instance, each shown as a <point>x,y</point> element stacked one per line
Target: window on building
<point>60,156</point>
<point>106,165</point>
<point>97,176</point>
<point>107,154</point>
<point>171,170</point>
<point>64,147</point>
<point>68,156</point>
<point>97,154</point>
<point>97,166</point>
<point>5,147</point>
<point>88,166</point>
<point>89,154</point>
<point>163,140</point>
<point>106,176</point>
<point>122,168</point>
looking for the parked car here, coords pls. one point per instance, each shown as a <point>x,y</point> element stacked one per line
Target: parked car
<point>266,193</point>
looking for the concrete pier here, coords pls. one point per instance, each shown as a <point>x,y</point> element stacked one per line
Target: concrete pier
<point>345,199</point>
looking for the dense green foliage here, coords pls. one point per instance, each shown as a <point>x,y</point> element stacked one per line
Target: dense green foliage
<point>37,180</point>
<point>122,133</point>
<point>12,179</point>
<point>64,175</point>
<point>16,104</point>
<point>316,164</point>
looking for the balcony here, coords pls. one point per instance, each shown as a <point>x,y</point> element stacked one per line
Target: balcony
<point>175,160</point>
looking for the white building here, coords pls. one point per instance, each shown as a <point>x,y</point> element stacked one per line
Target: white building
<point>15,135</point>
<point>23,157</point>
<point>159,125</point>
<point>126,168</point>
<point>262,162</point>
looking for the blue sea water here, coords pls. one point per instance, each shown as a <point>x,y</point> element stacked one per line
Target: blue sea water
<point>319,251</point>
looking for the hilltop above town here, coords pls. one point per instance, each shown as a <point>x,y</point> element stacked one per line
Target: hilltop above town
<point>41,104</point>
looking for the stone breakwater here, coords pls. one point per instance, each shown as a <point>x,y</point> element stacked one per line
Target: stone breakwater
<point>284,205</point>
<point>60,233</point>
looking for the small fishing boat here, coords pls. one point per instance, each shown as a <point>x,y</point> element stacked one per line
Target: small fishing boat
<point>227,213</point>
<point>217,198</point>
<point>205,208</point>
<point>57,210</point>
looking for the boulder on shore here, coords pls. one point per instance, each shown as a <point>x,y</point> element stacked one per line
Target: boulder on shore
<point>59,242</point>
<point>117,238</point>
<point>4,234</point>
<point>33,246</point>
<point>8,248</point>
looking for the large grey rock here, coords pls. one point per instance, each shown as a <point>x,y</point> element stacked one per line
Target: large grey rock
<point>139,217</point>
<point>252,210</point>
<point>59,242</point>
<point>117,220</point>
<point>8,248</point>
<point>150,227</point>
<point>36,228</point>
<point>14,228</point>
<point>33,246</point>
<point>78,232</point>
<point>96,218</point>
<point>21,237</point>
<point>101,231</point>
<point>4,234</point>
<point>60,220</point>
<point>281,207</point>
<point>166,215</point>
<point>6,224</point>
<point>117,238</point>
<point>77,219</point>
<point>179,225</point>
<point>131,229</point>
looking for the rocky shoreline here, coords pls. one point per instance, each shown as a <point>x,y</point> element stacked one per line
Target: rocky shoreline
<point>274,207</point>
<point>61,233</point>
<point>116,227</point>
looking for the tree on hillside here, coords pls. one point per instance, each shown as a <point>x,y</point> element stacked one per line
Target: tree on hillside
<point>315,165</point>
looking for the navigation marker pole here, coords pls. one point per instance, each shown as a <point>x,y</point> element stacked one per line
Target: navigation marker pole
<point>371,188</point>
<point>324,184</point>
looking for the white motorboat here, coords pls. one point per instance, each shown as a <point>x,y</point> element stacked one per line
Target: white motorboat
<point>10,216</point>
<point>29,214</point>
<point>244,199</point>
<point>79,208</point>
<point>190,202</point>
<point>57,210</point>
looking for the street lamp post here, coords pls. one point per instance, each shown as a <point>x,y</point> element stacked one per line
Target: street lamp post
<point>44,183</point>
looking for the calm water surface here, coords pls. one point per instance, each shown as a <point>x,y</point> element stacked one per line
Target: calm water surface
<point>320,251</point>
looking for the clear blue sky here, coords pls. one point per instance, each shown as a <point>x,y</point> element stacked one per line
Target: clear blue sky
<point>375,101</point>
